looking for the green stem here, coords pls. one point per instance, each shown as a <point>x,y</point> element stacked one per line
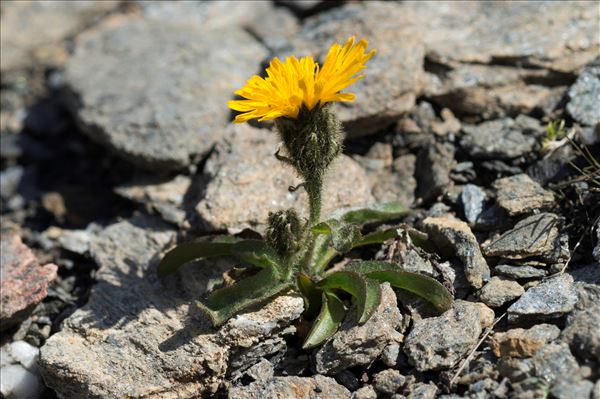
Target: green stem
<point>314,188</point>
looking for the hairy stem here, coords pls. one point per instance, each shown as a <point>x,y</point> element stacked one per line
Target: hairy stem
<point>314,188</point>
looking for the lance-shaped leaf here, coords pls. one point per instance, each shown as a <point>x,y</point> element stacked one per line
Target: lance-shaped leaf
<point>311,294</point>
<point>366,295</point>
<point>329,319</point>
<point>255,252</point>
<point>370,213</point>
<point>376,237</point>
<point>226,302</point>
<point>423,286</point>
<point>321,254</point>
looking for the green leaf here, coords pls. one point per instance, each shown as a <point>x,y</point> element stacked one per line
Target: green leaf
<point>311,294</point>
<point>321,228</point>
<point>371,213</point>
<point>365,267</point>
<point>329,319</point>
<point>224,303</point>
<point>373,298</point>
<point>423,286</point>
<point>357,286</point>
<point>344,238</point>
<point>255,252</point>
<point>376,237</point>
<point>322,254</point>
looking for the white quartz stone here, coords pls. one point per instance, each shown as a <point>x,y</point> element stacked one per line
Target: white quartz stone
<point>24,353</point>
<point>18,383</point>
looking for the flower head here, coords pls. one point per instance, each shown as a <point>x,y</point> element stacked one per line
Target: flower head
<point>294,84</point>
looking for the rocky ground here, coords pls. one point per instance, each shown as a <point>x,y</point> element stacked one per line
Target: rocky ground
<point>116,142</point>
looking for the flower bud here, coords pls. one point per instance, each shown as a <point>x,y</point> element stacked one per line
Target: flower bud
<point>284,231</point>
<point>312,141</point>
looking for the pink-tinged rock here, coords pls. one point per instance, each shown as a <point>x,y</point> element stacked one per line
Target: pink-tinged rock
<point>23,282</point>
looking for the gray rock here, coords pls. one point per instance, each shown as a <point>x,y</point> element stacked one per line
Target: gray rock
<point>520,195</point>
<point>453,236</point>
<point>596,391</point>
<point>10,178</point>
<point>156,116</point>
<point>379,156</point>
<point>390,354</point>
<point>366,392</point>
<point>499,291</point>
<point>244,167</point>
<point>141,336</point>
<point>392,77</point>
<point>434,163</point>
<point>35,31</point>
<point>261,371</point>
<point>483,33</point>
<point>395,183</point>
<point>23,280</point>
<point>520,272</point>
<point>388,381</point>
<point>554,362</point>
<point>567,389</point>
<point>581,331</point>
<point>551,299</point>
<point>78,241</point>
<point>519,342</point>
<point>496,139</point>
<point>162,196</point>
<point>265,20</point>
<point>422,391</point>
<point>478,52</point>
<point>482,366</point>
<point>535,236</point>
<point>472,198</point>
<point>487,91</point>
<point>515,369</point>
<point>355,345</point>
<point>317,387</point>
<point>440,342</point>
<point>585,95</point>
<point>463,172</point>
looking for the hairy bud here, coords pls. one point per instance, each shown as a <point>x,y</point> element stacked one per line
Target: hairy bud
<point>284,231</point>
<point>312,141</point>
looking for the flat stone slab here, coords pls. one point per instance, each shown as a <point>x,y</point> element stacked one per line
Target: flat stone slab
<point>243,170</point>
<point>317,387</point>
<point>535,236</point>
<point>164,196</point>
<point>33,31</point>
<point>156,91</point>
<point>477,50</point>
<point>497,139</point>
<point>23,281</point>
<point>520,272</point>
<point>550,299</point>
<point>139,336</point>
<point>519,194</point>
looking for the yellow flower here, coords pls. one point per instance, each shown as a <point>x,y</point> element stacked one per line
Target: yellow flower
<point>292,84</point>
